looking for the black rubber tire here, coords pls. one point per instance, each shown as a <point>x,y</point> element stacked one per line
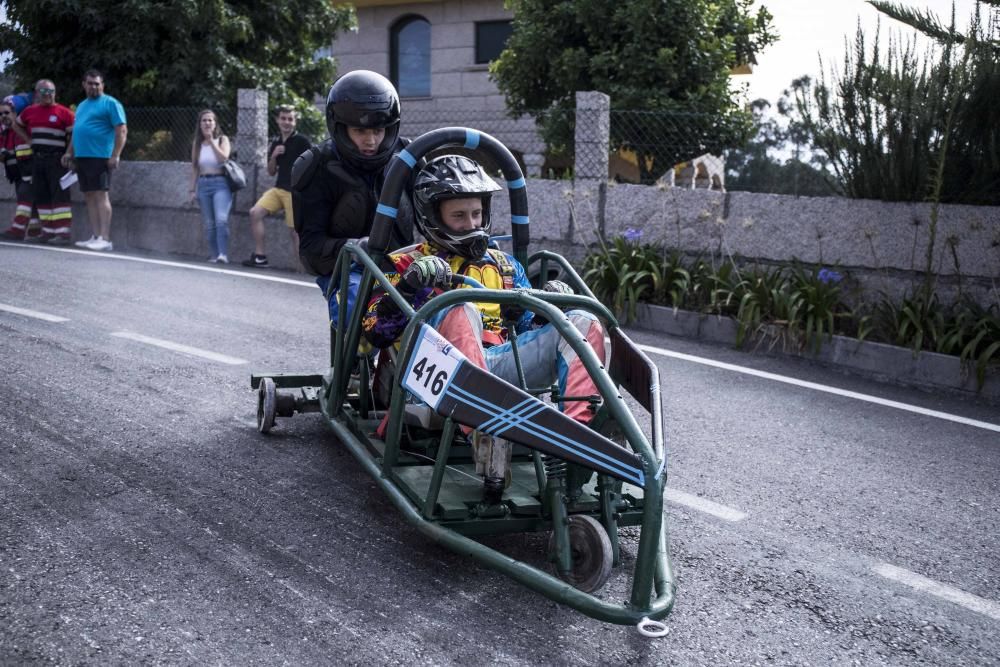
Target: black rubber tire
<point>591,554</point>
<point>267,405</point>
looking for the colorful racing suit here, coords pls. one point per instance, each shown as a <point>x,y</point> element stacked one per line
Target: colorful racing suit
<point>49,127</point>
<point>479,331</point>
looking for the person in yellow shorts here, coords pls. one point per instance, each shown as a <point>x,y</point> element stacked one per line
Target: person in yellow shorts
<point>281,155</point>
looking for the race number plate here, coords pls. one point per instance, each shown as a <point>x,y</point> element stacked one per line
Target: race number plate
<point>432,366</point>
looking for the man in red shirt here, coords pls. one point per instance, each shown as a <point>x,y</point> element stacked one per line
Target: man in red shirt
<point>48,126</point>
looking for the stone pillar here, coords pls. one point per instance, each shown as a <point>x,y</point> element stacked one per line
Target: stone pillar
<point>590,169</point>
<point>251,143</point>
<point>592,137</point>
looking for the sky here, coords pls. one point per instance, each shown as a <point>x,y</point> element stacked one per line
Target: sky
<point>809,28</point>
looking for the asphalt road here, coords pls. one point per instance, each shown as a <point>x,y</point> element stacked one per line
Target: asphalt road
<point>144,520</point>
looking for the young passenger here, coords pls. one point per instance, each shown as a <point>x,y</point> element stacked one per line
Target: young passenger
<point>336,185</point>
<point>451,196</point>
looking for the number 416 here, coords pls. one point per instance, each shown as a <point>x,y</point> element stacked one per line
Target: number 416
<point>433,381</point>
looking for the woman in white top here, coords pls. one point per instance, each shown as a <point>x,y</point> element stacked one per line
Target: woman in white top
<point>208,151</point>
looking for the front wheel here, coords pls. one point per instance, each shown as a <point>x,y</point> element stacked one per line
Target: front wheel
<point>591,554</point>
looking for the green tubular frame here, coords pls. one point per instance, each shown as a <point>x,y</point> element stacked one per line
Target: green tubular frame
<point>653,571</point>
<point>653,585</point>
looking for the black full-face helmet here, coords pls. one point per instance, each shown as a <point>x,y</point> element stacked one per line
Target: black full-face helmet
<point>363,99</point>
<point>452,177</point>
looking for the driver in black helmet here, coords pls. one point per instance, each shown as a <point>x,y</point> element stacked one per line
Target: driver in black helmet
<point>336,185</point>
<point>451,196</point>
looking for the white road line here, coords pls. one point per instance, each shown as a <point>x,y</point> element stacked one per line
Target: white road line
<point>32,313</point>
<point>163,262</point>
<point>702,505</point>
<point>937,589</point>
<point>824,388</point>
<point>178,347</point>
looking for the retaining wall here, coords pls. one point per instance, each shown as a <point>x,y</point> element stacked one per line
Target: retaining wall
<point>884,244</point>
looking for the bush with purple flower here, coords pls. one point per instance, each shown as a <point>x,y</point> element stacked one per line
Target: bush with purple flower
<point>827,276</point>
<point>632,235</point>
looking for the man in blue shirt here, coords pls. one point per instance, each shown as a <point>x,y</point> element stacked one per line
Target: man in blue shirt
<point>98,140</point>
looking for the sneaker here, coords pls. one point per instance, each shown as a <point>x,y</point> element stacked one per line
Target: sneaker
<point>101,245</point>
<point>256,260</point>
<point>493,490</point>
<point>59,240</point>
<point>85,244</point>
<point>222,259</point>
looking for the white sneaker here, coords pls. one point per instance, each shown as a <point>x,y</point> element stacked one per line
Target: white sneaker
<point>86,244</point>
<point>222,259</point>
<point>101,245</point>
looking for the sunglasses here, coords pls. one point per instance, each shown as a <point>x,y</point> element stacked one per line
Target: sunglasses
<point>46,91</point>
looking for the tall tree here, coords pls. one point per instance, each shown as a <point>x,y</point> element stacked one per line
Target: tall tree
<point>777,158</point>
<point>648,55</point>
<point>176,53</point>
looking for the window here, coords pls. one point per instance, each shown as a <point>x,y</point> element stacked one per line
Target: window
<point>491,37</point>
<point>410,57</point>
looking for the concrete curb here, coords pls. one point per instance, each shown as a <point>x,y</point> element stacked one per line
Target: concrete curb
<point>887,363</point>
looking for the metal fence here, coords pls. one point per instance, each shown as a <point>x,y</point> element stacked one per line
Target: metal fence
<point>660,146</point>
<point>166,133</point>
<point>644,146</point>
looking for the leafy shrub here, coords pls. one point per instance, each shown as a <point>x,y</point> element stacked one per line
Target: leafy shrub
<point>799,305</point>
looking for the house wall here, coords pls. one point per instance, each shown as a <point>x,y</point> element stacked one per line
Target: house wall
<point>461,91</point>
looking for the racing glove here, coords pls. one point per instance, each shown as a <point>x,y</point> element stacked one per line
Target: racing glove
<point>557,287</point>
<point>427,271</point>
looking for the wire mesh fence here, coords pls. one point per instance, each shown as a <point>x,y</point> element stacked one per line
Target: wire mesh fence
<point>633,146</point>
<point>655,146</point>
<point>159,134</point>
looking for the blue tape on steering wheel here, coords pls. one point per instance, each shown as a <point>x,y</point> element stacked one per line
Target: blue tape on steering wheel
<point>405,156</point>
<point>514,185</point>
<point>387,210</point>
<point>471,139</point>
<point>519,219</point>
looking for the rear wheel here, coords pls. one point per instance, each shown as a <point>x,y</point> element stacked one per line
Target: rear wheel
<point>590,551</point>
<point>267,405</point>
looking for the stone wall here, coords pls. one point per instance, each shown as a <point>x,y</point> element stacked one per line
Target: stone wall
<point>884,243</point>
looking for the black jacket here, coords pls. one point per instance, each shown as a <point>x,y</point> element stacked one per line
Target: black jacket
<point>334,203</point>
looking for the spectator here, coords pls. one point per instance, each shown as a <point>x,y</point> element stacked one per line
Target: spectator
<point>282,153</point>
<point>98,140</point>
<point>337,185</point>
<point>20,101</point>
<point>49,127</point>
<point>209,150</point>
<point>451,198</point>
<point>17,167</point>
